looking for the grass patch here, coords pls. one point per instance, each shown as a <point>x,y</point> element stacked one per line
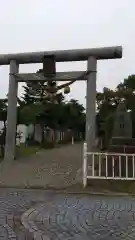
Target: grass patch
<point>121,186</point>
<point>22,151</point>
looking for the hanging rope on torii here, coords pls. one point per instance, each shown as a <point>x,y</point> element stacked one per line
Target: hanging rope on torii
<point>48,75</point>
<point>52,88</point>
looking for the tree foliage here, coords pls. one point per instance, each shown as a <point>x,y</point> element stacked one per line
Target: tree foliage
<point>44,103</point>
<point>108,100</point>
<point>3,110</point>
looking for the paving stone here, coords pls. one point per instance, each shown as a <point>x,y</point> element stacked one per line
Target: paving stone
<point>86,217</point>
<point>63,216</point>
<point>3,232</point>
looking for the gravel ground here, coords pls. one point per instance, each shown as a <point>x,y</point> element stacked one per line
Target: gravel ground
<point>56,168</point>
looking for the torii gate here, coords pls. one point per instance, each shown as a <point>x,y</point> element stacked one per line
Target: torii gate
<point>89,55</point>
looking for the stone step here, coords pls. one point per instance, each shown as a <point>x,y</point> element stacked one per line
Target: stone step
<point>123,141</point>
<point>121,149</point>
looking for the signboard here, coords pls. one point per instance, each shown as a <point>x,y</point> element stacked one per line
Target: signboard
<point>49,66</point>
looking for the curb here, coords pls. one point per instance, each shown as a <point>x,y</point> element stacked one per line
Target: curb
<point>66,191</point>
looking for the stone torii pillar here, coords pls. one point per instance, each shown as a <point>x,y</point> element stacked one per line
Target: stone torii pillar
<point>12,111</point>
<point>89,55</point>
<point>91,103</point>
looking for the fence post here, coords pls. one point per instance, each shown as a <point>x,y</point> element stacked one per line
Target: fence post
<point>85,164</point>
<point>72,140</point>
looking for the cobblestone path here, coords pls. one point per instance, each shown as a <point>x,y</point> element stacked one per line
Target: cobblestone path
<point>13,203</point>
<point>83,217</point>
<point>25,214</point>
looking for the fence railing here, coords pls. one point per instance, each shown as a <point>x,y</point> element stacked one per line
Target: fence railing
<point>103,165</point>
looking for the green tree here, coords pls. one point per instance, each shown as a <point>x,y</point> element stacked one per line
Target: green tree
<point>108,100</point>
<point>43,103</point>
<point>75,117</point>
<point>46,96</point>
<point>3,111</point>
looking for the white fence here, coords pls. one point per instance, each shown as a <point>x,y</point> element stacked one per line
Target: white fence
<point>100,165</point>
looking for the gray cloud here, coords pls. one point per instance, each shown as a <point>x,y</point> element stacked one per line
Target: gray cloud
<point>47,24</point>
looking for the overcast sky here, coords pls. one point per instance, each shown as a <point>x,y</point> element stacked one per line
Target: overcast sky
<point>36,25</point>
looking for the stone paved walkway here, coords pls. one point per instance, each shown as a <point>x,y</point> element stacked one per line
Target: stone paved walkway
<point>82,217</point>
<point>13,203</point>
<point>64,216</point>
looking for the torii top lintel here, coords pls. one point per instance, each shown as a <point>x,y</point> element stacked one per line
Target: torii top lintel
<point>63,55</point>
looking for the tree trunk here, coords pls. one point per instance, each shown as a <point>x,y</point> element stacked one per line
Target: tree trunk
<point>42,133</point>
<point>4,123</point>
